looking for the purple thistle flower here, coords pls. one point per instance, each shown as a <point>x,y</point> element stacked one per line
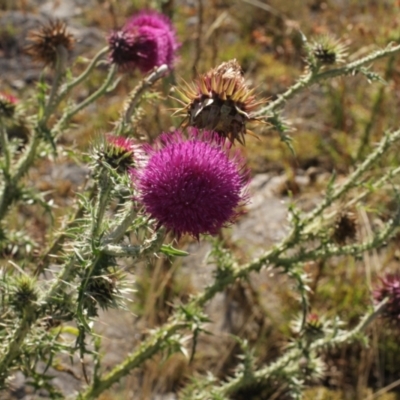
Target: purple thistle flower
<point>390,288</point>
<point>147,40</point>
<point>193,185</point>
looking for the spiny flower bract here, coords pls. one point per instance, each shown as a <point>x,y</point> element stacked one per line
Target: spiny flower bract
<point>192,186</point>
<point>220,101</point>
<point>389,288</point>
<point>46,40</point>
<point>147,40</point>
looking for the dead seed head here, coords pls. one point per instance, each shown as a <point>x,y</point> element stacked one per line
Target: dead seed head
<point>46,40</point>
<point>220,101</point>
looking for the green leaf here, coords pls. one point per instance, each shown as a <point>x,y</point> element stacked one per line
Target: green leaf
<point>168,250</point>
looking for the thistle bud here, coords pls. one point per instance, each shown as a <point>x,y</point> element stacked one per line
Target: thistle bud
<point>326,50</point>
<point>118,152</point>
<point>7,105</point>
<point>220,101</point>
<point>46,41</point>
<point>310,329</point>
<point>24,293</point>
<point>100,292</point>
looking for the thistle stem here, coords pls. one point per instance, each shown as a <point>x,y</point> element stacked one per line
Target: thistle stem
<point>284,362</point>
<point>145,351</point>
<point>94,96</point>
<point>136,94</point>
<point>313,77</point>
<point>69,86</point>
<point>6,150</point>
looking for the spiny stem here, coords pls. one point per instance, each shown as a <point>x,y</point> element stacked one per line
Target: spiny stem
<point>283,362</point>
<point>62,123</point>
<point>69,86</point>
<point>9,190</point>
<point>352,180</point>
<point>6,150</point>
<point>312,77</point>
<point>135,96</point>
<point>145,351</point>
<point>122,227</point>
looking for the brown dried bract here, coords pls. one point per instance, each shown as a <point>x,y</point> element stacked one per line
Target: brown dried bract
<point>220,101</point>
<point>46,40</point>
<point>345,227</point>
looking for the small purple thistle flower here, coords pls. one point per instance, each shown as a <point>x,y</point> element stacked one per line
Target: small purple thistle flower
<point>193,185</point>
<point>122,144</point>
<point>390,288</point>
<point>147,40</point>
<point>119,152</point>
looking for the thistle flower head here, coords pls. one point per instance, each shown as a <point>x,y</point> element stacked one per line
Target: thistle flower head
<point>326,50</point>
<point>118,152</point>
<point>7,105</point>
<point>147,40</point>
<point>46,41</point>
<point>389,288</point>
<point>311,328</point>
<point>220,101</point>
<point>192,186</point>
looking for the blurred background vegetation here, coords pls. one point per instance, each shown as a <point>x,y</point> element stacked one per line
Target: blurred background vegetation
<point>334,125</point>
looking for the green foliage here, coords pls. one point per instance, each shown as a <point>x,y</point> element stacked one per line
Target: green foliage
<point>56,284</point>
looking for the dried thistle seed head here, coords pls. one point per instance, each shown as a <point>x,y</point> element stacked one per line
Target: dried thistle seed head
<point>46,40</point>
<point>326,50</point>
<point>345,227</point>
<point>7,105</point>
<point>220,101</point>
<point>102,289</point>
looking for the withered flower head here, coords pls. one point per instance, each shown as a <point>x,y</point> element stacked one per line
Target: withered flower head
<point>345,227</point>
<point>46,40</point>
<point>220,101</point>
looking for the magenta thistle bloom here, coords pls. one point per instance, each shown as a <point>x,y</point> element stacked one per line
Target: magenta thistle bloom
<point>147,40</point>
<point>390,288</point>
<point>193,185</point>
